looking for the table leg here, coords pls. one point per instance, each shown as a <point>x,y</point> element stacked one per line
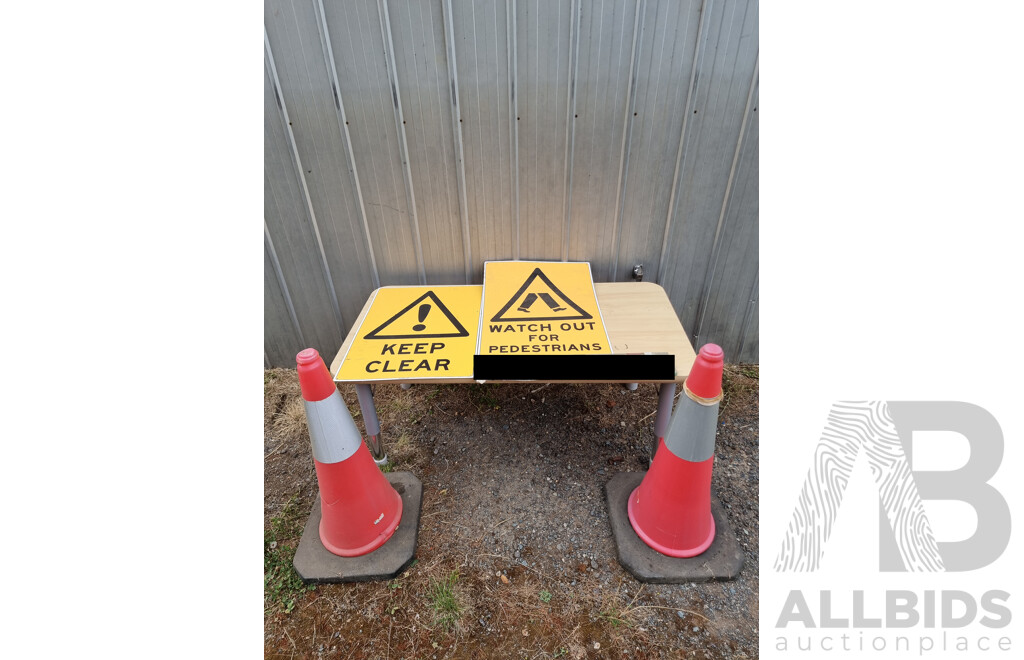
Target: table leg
<point>365,395</point>
<point>666,394</point>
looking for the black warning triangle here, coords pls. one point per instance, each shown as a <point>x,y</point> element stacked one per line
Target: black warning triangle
<point>418,323</point>
<point>533,305</point>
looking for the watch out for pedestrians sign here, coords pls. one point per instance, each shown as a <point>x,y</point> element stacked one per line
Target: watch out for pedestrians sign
<point>540,308</point>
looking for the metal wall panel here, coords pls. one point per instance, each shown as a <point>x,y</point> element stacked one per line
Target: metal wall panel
<point>665,55</point>
<point>726,74</point>
<point>409,142</point>
<point>734,268</point>
<point>370,100</point>
<point>280,329</point>
<point>485,59</point>
<point>315,129</point>
<point>664,66</point>
<point>421,63</point>
<point>607,35</point>
<point>294,241</point>
<point>544,54</point>
<point>749,340</point>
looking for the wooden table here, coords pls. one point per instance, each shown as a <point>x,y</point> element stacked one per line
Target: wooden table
<point>639,318</point>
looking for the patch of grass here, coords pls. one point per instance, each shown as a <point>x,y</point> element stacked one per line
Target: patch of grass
<point>614,616</point>
<point>545,596</point>
<point>483,395</point>
<point>613,612</point>
<point>749,370</point>
<point>441,594</point>
<point>399,406</point>
<point>736,380</point>
<point>290,422</point>
<point>282,586</point>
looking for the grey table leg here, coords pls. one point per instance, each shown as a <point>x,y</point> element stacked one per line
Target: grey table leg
<point>666,394</point>
<point>365,395</point>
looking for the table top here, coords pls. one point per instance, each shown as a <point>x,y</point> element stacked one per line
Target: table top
<point>638,316</point>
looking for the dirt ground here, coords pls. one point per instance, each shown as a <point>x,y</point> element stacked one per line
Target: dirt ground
<point>515,557</point>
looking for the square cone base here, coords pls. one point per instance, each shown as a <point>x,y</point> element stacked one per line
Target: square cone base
<point>315,564</point>
<point>721,561</point>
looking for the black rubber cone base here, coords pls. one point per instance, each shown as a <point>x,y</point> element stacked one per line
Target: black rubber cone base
<point>721,561</point>
<point>315,564</point>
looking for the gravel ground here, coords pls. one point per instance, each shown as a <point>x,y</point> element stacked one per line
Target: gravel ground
<point>513,501</point>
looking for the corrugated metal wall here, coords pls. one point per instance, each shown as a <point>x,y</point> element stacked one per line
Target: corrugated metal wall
<point>407,142</point>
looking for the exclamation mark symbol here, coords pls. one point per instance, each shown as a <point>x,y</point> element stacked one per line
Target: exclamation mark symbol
<point>424,310</point>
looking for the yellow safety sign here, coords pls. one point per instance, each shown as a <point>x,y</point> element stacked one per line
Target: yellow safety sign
<point>415,332</point>
<point>540,307</point>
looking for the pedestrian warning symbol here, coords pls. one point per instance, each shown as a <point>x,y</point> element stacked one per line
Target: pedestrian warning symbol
<point>413,333</point>
<point>532,307</point>
<point>418,320</point>
<point>554,305</point>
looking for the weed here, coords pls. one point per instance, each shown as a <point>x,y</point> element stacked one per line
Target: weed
<point>282,586</point>
<point>483,395</point>
<point>399,407</point>
<point>441,594</point>
<point>620,616</point>
<point>614,616</point>
<point>733,385</point>
<point>545,596</point>
<point>560,652</point>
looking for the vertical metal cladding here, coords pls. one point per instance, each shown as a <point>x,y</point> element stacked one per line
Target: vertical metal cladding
<point>715,174</point>
<point>412,141</point>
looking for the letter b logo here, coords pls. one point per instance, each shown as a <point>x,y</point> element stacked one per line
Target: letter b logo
<point>884,431</point>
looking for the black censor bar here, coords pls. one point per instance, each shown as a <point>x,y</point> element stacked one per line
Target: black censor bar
<point>623,367</point>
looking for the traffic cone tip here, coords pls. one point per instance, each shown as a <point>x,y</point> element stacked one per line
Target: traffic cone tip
<point>314,379</point>
<point>705,379</point>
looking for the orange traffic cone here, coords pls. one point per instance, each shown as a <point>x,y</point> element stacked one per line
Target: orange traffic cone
<point>359,508</point>
<point>671,508</point>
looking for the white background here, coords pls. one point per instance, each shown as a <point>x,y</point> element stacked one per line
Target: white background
<point>891,144</point>
<point>891,267</point>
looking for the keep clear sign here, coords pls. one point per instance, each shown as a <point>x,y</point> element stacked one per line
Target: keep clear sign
<point>540,307</point>
<point>415,332</point>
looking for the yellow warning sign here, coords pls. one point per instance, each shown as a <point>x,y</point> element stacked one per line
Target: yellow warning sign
<point>533,307</point>
<point>415,332</point>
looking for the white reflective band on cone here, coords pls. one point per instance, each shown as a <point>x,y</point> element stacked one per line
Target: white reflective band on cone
<point>691,433</point>
<point>332,432</point>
